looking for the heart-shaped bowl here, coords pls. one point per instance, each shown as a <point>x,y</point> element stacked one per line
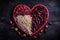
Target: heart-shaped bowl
<point>39,15</point>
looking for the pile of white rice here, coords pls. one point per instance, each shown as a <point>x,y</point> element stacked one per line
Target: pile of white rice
<point>25,22</point>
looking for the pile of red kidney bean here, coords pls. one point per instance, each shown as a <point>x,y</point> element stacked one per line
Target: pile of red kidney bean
<point>38,18</point>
